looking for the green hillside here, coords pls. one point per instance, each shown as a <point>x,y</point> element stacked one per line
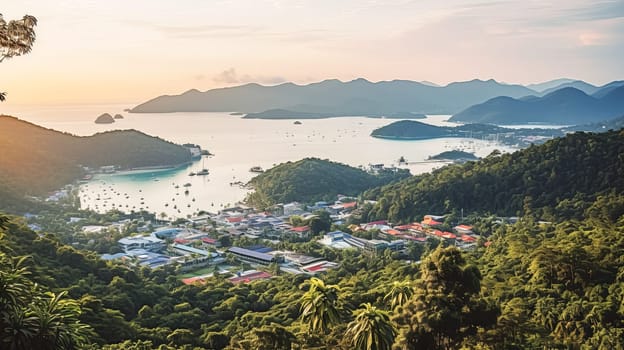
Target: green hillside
<point>36,160</point>
<point>548,178</point>
<point>312,179</point>
<point>534,285</point>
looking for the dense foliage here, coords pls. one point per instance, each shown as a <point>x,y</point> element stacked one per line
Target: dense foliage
<point>556,179</point>
<point>313,179</point>
<point>536,286</point>
<point>35,160</point>
<point>554,285</point>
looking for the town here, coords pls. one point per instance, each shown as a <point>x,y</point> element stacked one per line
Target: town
<point>244,244</point>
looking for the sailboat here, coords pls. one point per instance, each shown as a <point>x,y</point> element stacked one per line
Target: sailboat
<point>204,171</point>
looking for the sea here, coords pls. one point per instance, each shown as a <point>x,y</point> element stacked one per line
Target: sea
<point>237,145</point>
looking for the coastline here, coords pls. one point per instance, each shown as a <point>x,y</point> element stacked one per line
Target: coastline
<point>149,169</point>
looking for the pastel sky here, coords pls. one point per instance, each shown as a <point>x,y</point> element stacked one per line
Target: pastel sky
<point>126,51</point>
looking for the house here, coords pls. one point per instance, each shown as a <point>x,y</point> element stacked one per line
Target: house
<point>463,229</point>
<point>148,243</point>
<point>432,221</point>
<point>319,266</point>
<point>210,242</point>
<point>301,231</point>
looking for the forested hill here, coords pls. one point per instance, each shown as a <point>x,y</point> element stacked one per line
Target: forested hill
<point>556,179</point>
<point>35,159</point>
<point>313,179</point>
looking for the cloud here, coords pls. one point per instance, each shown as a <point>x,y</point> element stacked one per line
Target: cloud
<point>230,76</point>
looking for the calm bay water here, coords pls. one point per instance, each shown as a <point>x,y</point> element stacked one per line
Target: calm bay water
<point>237,145</point>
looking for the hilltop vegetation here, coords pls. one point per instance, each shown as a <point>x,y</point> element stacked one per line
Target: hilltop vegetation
<point>36,160</point>
<point>553,178</point>
<point>312,179</point>
<point>414,130</point>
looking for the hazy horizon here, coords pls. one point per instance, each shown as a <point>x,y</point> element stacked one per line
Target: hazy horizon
<point>91,52</point>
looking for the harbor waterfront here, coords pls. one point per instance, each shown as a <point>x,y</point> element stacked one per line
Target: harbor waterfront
<point>238,145</point>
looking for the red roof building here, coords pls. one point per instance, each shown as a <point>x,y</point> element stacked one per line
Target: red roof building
<point>349,205</point>
<point>468,239</point>
<point>430,222</point>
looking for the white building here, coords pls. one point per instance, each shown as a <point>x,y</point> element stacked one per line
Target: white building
<point>141,242</point>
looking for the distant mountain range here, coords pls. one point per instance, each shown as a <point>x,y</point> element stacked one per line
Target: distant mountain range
<point>567,105</point>
<point>359,97</point>
<point>565,101</point>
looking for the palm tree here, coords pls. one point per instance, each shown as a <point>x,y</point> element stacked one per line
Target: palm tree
<point>399,294</point>
<point>58,324</point>
<point>32,319</point>
<point>371,329</point>
<point>319,306</point>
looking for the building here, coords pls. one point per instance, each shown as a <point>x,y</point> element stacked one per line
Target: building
<point>293,208</point>
<point>301,231</point>
<point>182,249</point>
<point>148,243</point>
<point>166,233</point>
<point>195,150</point>
<point>249,276</point>
<point>463,229</point>
<point>254,257</point>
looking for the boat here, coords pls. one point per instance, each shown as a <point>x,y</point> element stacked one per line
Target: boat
<point>188,184</point>
<point>256,169</point>
<point>192,174</point>
<point>202,172</point>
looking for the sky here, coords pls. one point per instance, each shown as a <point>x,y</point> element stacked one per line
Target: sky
<point>120,51</point>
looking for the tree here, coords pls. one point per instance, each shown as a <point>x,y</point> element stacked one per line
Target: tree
<point>273,337</point>
<point>16,38</point>
<point>33,319</point>
<point>319,306</point>
<point>399,294</point>
<point>447,306</point>
<point>371,329</point>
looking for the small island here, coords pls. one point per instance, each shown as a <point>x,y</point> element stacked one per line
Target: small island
<point>105,119</point>
<point>287,114</point>
<point>403,115</point>
<point>413,130</point>
<point>455,155</point>
<point>118,116</point>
